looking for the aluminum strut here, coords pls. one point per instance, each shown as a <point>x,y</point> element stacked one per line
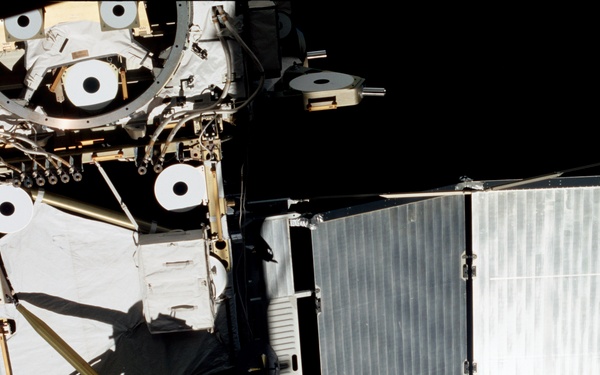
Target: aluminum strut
<point>5,354</point>
<point>56,342</point>
<point>116,194</point>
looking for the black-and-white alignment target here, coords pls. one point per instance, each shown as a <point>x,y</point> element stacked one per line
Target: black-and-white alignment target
<point>285,25</point>
<point>180,187</point>
<point>16,209</point>
<point>25,26</point>
<point>91,84</point>
<point>116,15</point>
<point>218,275</point>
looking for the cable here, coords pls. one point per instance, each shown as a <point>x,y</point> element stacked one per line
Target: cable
<point>176,129</point>
<point>116,194</point>
<point>154,137</point>
<point>242,198</point>
<point>212,122</point>
<point>225,18</point>
<point>190,115</point>
<point>10,139</point>
<point>9,166</point>
<point>227,52</point>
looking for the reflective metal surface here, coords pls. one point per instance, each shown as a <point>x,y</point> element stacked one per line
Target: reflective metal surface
<point>392,297</point>
<point>162,77</point>
<point>536,295</point>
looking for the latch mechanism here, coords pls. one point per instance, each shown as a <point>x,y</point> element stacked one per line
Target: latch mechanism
<point>318,300</point>
<point>468,267</point>
<point>468,368</point>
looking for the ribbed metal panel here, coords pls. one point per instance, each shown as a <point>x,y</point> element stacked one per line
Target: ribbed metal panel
<point>279,275</point>
<point>393,301</point>
<point>282,312</point>
<point>284,334</point>
<point>536,295</point>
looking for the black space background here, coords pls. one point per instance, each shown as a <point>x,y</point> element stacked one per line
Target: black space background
<point>483,92</point>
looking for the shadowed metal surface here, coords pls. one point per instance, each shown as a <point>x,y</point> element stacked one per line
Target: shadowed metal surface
<point>282,312</point>
<point>536,295</point>
<point>279,277</point>
<point>392,297</point>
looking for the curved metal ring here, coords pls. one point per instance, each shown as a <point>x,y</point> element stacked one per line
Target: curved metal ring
<point>171,64</point>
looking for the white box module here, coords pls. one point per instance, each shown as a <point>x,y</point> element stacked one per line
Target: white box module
<point>175,281</point>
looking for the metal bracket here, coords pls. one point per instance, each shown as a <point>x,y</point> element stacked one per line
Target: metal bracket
<point>468,271</point>
<point>6,291</point>
<point>469,369</point>
<point>318,300</point>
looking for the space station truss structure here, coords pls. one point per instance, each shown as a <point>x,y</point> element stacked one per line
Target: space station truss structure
<point>488,281</point>
<point>159,87</point>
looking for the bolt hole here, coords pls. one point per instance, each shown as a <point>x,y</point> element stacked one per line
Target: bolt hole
<point>23,21</point>
<point>180,188</point>
<point>321,81</point>
<point>118,10</point>
<point>7,208</point>
<point>91,85</point>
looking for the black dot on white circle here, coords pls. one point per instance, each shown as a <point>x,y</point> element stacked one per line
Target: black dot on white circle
<point>180,188</point>
<point>7,209</point>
